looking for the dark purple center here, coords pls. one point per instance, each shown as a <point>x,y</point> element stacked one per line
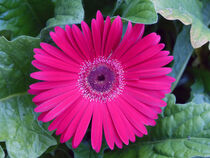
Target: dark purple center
<point>101,78</point>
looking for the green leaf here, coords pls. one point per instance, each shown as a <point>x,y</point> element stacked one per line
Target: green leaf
<point>182,53</point>
<point>197,93</point>
<point>188,12</point>
<point>84,150</point>
<point>2,155</point>
<point>182,131</point>
<point>19,128</point>
<point>203,75</point>
<point>58,151</point>
<point>107,7</point>
<point>15,64</point>
<point>23,135</point>
<point>205,11</point>
<point>24,17</point>
<point>138,11</point>
<point>200,89</point>
<point>67,12</point>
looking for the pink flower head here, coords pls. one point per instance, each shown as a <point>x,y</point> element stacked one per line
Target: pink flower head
<point>95,77</point>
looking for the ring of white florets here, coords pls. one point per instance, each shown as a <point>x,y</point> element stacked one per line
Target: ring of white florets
<point>110,93</point>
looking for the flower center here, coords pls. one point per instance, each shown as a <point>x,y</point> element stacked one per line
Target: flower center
<point>101,80</point>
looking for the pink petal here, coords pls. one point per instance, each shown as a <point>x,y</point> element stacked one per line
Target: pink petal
<point>100,21</point>
<point>145,55</point>
<point>70,131</point>
<point>118,123</point>
<point>40,51</point>
<point>125,43</point>
<point>96,128</point>
<point>126,123</point>
<point>140,107</point>
<point>42,115</point>
<point>148,73</point>
<point>114,36</point>
<point>145,98</point>
<point>62,106</point>
<point>72,112</point>
<point>51,103</point>
<point>96,34</point>
<point>57,64</point>
<point>53,76</point>
<point>151,64</point>
<point>133,116</point>
<point>156,93</point>
<point>167,79</point>
<point>52,93</point>
<point>40,66</point>
<point>137,32</point>
<point>129,39</point>
<point>34,91</point>
<point>61,40</point>
<point>82,126</point>
<point>161,54</point>
<point>57,121</point>
<point>71,37</point>
<point>50,85</point>
<point>108,128</point>
<point>148,84</point>
<point>80,40</point>
<point>105,34</point>
<point>55,52</point>
<point>141,45</point>
<point>88,37</point>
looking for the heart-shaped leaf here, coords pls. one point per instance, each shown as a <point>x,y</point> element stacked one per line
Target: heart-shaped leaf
<point>24,17</point>
<point>188,12</point>
<point>19,129</point>
<point>67,12</point>
<point>137,11</point>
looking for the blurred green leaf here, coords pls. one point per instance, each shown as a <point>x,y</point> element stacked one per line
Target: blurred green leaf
<point>24,17</point>
<point>198,94</point>
<point>205,12</point>
<point>137,11</point>
<point>15,64</point>
<point>2,155</point>
<point>204,76</point>
<point>188,12</point>
<point>182,53</point>
<point>23,136</point>
<point>200,89</point>
<point>59,151</point>
<point>67,12</point>
<point>84,150</point>
<point>182,131</point>
<point>91,7</point>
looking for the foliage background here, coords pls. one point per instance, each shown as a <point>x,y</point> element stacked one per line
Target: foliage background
<point>183,129</point>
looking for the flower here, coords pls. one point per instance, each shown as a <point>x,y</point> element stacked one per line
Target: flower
<point>95,77</point>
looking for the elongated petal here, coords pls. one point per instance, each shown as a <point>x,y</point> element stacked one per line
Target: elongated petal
<point>70,131</point>
<point>114,36</point>
<point>53,76</point>
<point>141,45</point>
<point>118,123</point>
<point>82,127</point>
<point>96,129</point>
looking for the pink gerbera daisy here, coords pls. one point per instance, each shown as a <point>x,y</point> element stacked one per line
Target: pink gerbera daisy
<point>95,76</point>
